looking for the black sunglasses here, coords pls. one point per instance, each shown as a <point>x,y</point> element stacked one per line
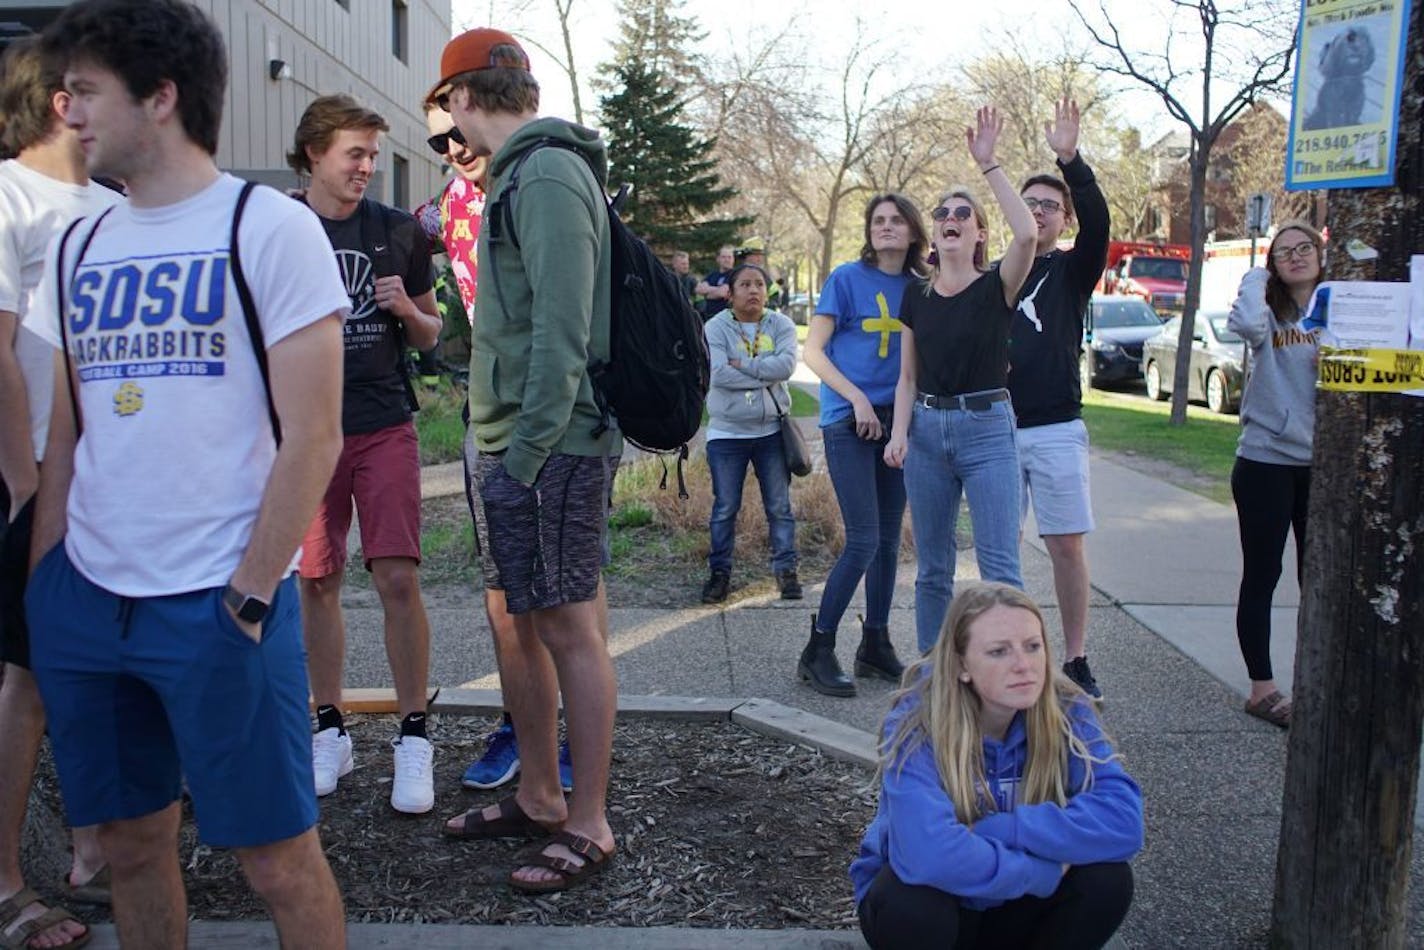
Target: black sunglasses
<point>961,213</point>
<point>440,144</point>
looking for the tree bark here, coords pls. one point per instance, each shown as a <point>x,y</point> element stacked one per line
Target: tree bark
<point>1182,372</point>
<point>1348,815</point>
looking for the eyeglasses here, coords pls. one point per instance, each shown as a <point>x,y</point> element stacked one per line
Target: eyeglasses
<point>1304,250</point>
<point>440,144</point>
<point>960,213</point>
<point>1046,205</point>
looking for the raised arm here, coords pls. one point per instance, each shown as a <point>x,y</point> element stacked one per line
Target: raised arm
<point>982,139</point>
<point>1250,316</point>
<point>1090,247</point>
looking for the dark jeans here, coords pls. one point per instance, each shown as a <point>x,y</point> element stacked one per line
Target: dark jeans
<point>1270,500</point>
<point>728,458</point>
<point>871,495</point>
<point>1085,911</point>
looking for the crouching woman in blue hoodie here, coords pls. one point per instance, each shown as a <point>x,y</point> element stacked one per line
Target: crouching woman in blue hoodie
<point>1005,817</point>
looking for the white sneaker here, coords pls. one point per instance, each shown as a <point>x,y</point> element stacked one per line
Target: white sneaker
<point>413,790</point>
<point>331,759</point>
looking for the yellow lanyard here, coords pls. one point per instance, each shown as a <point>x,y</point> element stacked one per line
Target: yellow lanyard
<point>751,346</point>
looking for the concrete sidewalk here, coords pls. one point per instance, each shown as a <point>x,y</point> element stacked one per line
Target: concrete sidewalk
<point>1165,565</point>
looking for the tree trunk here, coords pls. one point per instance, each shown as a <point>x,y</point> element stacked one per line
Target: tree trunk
<point>1348,814</point>
<point>1182,373</point>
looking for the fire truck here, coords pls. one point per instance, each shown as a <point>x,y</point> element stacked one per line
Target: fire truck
<point>1155,272</point>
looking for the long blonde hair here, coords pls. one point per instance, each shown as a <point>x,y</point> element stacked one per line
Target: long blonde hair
<point>947,715</point>
<point>981,247</point>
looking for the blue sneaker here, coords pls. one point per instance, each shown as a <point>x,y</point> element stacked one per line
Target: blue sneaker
<point>499,764</point>
<point>566,767</point>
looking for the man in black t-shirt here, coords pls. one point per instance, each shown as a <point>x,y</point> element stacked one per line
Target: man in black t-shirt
<point>1046,338</point>
<point>385,261</point>
<point>713,289</point>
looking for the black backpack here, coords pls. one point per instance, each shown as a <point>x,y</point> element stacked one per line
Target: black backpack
<point>655,380</point>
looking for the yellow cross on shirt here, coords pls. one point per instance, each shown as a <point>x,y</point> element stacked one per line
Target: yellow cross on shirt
<point>883,325</point>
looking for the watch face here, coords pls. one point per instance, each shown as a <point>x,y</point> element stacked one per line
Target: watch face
<point>252,610</point>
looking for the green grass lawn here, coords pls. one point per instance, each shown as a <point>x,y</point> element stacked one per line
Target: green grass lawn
<point>1205,447</point>
<point>438,425</point>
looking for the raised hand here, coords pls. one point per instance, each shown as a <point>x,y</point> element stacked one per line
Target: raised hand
<point>984,136</point>
<point>1062,132</point>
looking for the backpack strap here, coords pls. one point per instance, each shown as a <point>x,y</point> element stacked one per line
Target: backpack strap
<point>60,285</point>
<point>249,309</point>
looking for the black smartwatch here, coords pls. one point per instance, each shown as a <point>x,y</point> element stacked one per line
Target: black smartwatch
<point>247,607</point>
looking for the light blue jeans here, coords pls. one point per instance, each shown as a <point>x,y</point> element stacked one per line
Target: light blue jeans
<point>954,452</point>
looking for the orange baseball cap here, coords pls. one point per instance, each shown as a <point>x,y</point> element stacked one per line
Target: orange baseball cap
<point>471,51</point>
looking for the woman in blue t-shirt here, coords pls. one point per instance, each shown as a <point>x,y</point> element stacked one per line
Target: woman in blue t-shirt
<point>954,430</point>
<point>854,346</point>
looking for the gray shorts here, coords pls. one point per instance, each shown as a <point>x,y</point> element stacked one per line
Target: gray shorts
<point>544,545</point>
<point>1054,460</point>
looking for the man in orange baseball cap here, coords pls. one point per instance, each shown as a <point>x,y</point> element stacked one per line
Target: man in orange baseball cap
<point>544,463</point>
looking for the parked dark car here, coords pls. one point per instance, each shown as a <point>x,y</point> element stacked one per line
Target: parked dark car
<point>1116,327</point>
<point>1215,374</point>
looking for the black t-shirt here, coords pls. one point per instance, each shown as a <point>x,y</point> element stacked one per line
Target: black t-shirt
<point>710,307</point>
<point>961,342</point>
<point>375,394</point>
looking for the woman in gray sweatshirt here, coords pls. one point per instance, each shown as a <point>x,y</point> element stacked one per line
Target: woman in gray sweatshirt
<point>1271,478</point>
<point>753,352</point>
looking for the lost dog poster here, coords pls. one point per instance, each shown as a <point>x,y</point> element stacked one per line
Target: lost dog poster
<point>1345,107</point>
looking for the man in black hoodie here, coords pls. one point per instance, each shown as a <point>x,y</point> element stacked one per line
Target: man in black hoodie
<point>1046,339</point>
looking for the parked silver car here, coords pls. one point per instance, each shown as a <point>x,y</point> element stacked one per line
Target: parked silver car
<point>1216,366</point>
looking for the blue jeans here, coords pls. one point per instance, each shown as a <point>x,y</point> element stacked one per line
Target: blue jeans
<point>953,452</point>
<point>728,458</point>
<point>872,501</point>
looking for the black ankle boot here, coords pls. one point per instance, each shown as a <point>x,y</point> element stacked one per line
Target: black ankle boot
<point>876,655</point>
<point>819,668</point>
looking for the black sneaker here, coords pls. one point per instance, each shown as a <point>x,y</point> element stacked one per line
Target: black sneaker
<point>1077,671</point>
<point>715,590</point>
<point>790,585</point>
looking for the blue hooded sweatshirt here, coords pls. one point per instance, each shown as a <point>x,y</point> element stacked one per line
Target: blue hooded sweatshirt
<point>1013,851</point>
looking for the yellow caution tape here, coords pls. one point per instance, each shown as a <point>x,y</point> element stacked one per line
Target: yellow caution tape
<point>1370,371</point>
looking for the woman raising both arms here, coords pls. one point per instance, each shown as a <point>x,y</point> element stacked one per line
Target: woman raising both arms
<point>954,428</point>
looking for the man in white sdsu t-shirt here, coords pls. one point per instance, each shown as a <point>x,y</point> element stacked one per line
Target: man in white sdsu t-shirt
<point>42,189</point>
<point>165,631</point>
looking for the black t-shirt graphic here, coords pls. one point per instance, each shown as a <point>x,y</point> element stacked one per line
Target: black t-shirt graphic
<point>374,396</point>
<point>961,342</point>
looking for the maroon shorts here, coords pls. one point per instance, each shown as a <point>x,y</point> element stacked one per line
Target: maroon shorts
<point>380,471</point>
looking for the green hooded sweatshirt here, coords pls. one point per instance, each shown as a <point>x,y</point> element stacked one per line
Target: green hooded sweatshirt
<point>542,314</point>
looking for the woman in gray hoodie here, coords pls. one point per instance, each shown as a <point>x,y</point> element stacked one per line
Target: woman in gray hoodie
<point>753,353</point>
<point>1271,478</point>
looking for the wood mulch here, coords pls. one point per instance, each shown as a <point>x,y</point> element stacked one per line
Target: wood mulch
<point>716,826</point>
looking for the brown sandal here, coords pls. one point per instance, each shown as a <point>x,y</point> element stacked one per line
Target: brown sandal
<point>513,822</point>
<point>595,859</point>
<point>20,937</point>
<point>1273,708</point>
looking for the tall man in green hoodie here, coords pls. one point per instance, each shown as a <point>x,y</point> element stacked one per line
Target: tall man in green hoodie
<point>545,462</point>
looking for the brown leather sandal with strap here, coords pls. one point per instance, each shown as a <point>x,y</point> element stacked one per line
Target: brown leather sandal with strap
<point>1274,708</point>
<point>595,859</point>
<point>19,938</point>
<point>512,822</point>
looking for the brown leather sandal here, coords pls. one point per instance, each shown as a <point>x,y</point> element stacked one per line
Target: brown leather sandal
<point>19,938</point>
<point>595,859</point>
<point>1273,708</point>
<point>513,822</point>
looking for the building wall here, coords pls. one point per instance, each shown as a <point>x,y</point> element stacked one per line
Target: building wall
<point>328,46</point>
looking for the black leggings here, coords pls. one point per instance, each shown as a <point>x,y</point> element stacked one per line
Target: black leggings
<point>1270,499</point>
<point>1085,911</point>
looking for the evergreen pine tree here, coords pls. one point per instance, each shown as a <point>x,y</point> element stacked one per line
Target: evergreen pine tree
<point>656,34</point>
<point>671,170</point>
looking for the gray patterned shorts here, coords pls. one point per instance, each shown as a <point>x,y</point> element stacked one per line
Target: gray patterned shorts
<point>544,544</point>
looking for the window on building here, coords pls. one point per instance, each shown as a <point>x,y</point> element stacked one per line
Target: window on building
<point>400,182</point>
<point>400,28</point>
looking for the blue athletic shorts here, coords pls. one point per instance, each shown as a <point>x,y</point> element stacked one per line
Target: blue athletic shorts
<point>139,692</point>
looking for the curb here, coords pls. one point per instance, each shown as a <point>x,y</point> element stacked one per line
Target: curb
<point>259,935</point>
<point>831,738</point>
